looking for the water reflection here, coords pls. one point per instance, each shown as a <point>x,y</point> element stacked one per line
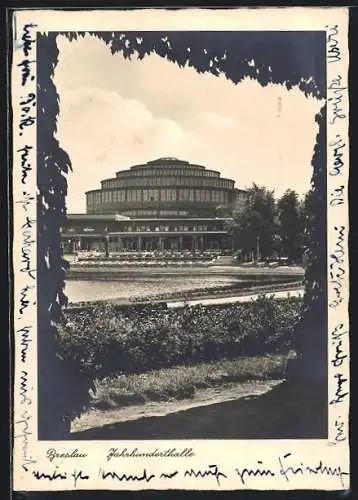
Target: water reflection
<point>126,288</point>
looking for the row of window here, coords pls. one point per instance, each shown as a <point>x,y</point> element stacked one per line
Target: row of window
<point>167,181</point>
<point>189,171</point>
<point>154,213</point>
<point>166,228</point>
<point>153,195</point>
<point>150,228</point>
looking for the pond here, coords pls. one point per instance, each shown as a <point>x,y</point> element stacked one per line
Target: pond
<point>129,287</point>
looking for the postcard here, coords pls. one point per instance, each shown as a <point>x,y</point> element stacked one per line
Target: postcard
<point>180,249</point>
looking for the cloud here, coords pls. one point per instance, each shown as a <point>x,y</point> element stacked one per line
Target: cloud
<point>104,133</point>
<point>115,113</point>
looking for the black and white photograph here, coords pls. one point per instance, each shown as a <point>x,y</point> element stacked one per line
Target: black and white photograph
<point>188,224</point>
<point>184,265</point>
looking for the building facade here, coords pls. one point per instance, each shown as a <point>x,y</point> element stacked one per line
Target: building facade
<point>166,187</point>
<point>165,204</point>
<point>93,232</point>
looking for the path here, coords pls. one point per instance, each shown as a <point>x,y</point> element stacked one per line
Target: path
<point>236,298</point>
<point>202,397</point>
<point>292,410</point>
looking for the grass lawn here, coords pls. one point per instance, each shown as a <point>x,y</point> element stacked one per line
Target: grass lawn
<point>181,382</point>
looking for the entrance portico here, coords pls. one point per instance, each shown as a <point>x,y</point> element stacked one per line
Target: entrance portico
<point>92,233</point>
<point>160,242</point>
<point>147,243</point>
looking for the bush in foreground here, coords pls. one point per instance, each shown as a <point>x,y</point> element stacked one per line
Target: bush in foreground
<point>106,340</point>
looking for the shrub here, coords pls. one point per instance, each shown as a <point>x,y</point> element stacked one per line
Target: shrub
<point>106,340</point>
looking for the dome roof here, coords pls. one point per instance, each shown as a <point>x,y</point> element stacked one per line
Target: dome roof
<point>169,159</point>
<point>165,186</point>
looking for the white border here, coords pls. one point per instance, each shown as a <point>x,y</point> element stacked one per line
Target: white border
<point>29,453</point>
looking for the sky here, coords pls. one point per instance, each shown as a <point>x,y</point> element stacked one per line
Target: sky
<point>115,113</point>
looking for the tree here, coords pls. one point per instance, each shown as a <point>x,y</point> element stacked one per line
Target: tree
<point>306,215</point>
<point>289,226</point>
<point>254,227</point>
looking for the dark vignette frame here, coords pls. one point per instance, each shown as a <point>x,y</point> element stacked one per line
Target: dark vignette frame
<point>58,406</point>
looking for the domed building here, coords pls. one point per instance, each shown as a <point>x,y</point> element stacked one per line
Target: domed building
<point>165,204</point>
<point>166,187</point>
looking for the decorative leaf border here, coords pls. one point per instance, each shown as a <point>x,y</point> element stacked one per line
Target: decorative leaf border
<point>300,61</point>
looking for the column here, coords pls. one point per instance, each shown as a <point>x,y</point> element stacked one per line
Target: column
<point>119,242</point>
<point>160,243</point>
<point>106,245</point>
<point>201,242</point>
<point>180,242</point>
<point>218,245</point>
<point>139,243</point>
<point>221,243</point>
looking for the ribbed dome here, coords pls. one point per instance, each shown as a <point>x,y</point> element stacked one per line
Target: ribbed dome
<point>166,158</point>
<point>164,187</point>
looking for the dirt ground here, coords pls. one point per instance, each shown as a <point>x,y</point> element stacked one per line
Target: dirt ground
<point>291,410</point>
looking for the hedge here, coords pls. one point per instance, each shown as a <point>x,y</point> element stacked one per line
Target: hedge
<point>108,340</point>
